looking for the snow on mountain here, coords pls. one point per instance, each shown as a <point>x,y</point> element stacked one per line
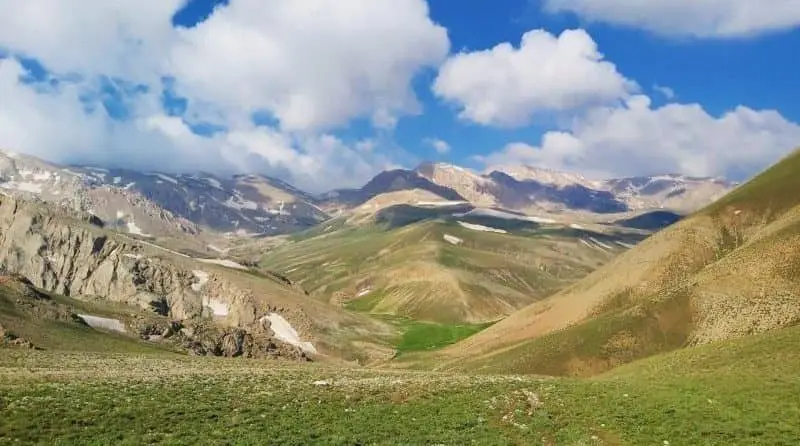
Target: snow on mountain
<point>535,190</point>
<point>158,203</point>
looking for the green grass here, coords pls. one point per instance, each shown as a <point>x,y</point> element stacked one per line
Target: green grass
<point>422,336</point>
<point>365,303</point>
<point>768,194</point>
<point>741,392</point>
<point>494,271</point>
<point>66,335</point>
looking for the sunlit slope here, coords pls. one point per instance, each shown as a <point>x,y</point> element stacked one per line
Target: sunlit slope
<point>730,270</point>
<point>441,270</point>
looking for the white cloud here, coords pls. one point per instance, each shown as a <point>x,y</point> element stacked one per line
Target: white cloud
<point>638,140</point>
<point>698,18</point>
<point>667,92</point>
<point>313,66</point>
<point>90,37</point>
<point>506,86</point>
<point>440,146</point>
<point>54,126</point>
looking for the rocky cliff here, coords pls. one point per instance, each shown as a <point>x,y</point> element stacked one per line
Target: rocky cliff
<point>72,255</point>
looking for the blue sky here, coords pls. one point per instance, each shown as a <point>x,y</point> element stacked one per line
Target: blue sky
<point>686,89</point>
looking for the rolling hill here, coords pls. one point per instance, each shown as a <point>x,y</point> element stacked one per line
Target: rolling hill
<point>728,271</point>
<point>446,262</point>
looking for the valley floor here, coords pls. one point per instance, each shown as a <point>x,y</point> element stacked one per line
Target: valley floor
<point>742,392</point>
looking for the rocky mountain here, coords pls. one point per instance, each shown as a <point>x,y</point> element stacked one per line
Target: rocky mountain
<point>160,204</point>
<point>539,191</point>
<point>530,188</point>
<point>385,183</point>
<point>73,255</point>
<point>730,270</point>
<point>154,203</point>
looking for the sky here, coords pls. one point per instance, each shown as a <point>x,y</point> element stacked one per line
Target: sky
<point>325,94</point>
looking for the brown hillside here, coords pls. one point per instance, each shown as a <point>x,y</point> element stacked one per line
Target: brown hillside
<point>730,270</point>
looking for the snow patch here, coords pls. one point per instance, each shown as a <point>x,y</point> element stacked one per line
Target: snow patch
<point>453,240</point>
<point>482,228</point>
<point>129,185</point>
<point>165,178</point>
<point>132,256</point>
<point>507,216</point>
<point>34,175</point>
<point>23,186</point>
<point>574,226</point>
<point>103,323</point>
<point>440,203</point>
<point>218,308</point>
<point>202,279</point>
<point>364,292</point>
<point>133,229</point>
<point>223,262</point>
<point>544,221</point>
<point>120,214</point>
<point>285,332</point>
<point>598,247</point>
<point>217,249</point>
<point>240,203</point>
<point>72,172</point>
<point>213,182</point>
<point>117,180</point>
<point>624,245</point>
<point>600,243</point>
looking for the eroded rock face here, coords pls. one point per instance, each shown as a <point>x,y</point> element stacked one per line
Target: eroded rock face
<point>74,260</point>
<point>67,256</point>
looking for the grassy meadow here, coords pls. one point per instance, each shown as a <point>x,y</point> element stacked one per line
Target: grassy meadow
<point>745,391</point>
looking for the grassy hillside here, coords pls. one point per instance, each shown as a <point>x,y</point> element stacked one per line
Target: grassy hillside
<point>730,270</point>
<point>740,392</point>
<point>45,321</point>
<point>419,264</point>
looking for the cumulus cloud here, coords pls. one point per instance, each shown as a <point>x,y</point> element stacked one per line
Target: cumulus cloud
<point>440,146</point>
<point>90,37</point>
<point>507,86</point>
<point>637,139</point>
<point>697,18</point>
<point>311,64</point>
<point>310,67</point>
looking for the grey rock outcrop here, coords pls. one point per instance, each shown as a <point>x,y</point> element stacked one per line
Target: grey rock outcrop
<point>63,253</point>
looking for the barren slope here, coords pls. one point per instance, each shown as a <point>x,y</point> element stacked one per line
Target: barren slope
<point>731,270</point>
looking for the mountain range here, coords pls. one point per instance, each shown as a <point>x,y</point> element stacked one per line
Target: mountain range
<point>161,204</point>
<point>521,271</point>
